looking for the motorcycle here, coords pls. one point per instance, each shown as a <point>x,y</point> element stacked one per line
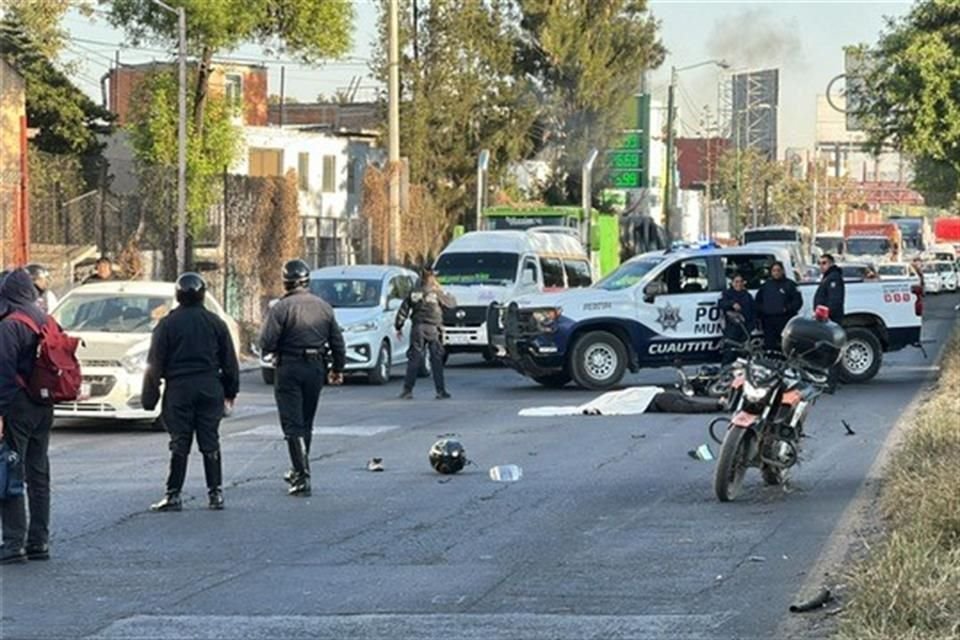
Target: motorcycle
<point>774,397</point>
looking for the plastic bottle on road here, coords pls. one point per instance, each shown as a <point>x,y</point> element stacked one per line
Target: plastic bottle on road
<point>506,473</point>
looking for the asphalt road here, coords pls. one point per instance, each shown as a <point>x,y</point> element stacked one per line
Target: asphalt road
<point>613,531</point>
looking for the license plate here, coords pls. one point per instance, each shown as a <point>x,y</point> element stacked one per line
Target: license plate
<point>457,339</point>
<point>744,419</point>
<point>84,391</point>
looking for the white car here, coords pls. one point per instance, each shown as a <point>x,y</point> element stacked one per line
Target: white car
<point>365,299</point>
<point>948,275</point>
<point>897,271</point>
<point>114,320</point>
<point>932,283</point>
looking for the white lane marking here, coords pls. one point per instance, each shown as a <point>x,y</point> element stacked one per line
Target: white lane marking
<point>274,431</point>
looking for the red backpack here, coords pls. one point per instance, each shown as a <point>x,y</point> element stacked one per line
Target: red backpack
<point>56,372</point>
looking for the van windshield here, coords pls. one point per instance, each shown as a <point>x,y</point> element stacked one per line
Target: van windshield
<point>628,274</point>
<point>485,267</point>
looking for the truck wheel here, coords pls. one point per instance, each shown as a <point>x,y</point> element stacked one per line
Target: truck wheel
<point>380,374</point>
<point>554,381</point>
<point>267,374</point>
<point>862,357</point>
<point>598,361</point>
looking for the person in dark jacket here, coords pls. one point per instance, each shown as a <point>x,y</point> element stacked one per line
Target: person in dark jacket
<point>424,308</point>
<point>300,330</point>
<point>778,300</point>
<point>831,291</point>
<point>739,315</point>
<point>24,425</point>
<point>104,271</point>
<point>192,351</point>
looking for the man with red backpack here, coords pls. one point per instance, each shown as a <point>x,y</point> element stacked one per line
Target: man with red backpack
<point>25,421</point>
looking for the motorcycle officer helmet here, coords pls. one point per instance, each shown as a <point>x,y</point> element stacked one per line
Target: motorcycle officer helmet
<point>191,289</point>
<point>447,456</point>
<point>40,276</point>
<point>296,275</point>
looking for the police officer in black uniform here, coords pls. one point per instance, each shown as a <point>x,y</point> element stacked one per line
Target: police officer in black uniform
<point>778,300</point>
<point>424,307</point>
<point>300,330</point>
<point>191,350</point>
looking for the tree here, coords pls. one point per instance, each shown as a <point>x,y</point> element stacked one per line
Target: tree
<point>67,120</point>
<point>153,136</point>
<point>910,94</point>
<point>42,20</point>
<point>937,180</point>
<point>310,30</point>
<point>459,96</point>
<point>585,58</point>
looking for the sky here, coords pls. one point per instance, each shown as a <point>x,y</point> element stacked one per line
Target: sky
<point>804,40</point>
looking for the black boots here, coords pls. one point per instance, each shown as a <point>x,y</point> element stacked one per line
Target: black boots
<point>214,475</point>
<point>300,461</point>
<point>178,471</point>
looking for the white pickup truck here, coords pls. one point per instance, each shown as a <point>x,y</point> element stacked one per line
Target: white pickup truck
<point>660,309</point>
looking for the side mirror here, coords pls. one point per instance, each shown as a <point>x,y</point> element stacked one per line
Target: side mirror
<point>654,289</point>
<point>393,304</point>
<point>528,277</point>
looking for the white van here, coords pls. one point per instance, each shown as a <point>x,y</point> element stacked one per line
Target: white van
<point>483,267</point>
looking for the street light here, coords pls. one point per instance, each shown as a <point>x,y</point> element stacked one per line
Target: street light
<point>181,132</point>
<point>668,175</point>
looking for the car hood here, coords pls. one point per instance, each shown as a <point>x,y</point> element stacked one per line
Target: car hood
<point>480,295</point>
<point>573,298</point>
<point>347,316</point>
<point>98,345</point>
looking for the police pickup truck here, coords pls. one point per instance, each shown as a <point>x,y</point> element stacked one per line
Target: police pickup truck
<point>660,309</point>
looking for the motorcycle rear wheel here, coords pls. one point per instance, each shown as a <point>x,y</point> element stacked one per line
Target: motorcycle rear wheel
<point>732,464</point>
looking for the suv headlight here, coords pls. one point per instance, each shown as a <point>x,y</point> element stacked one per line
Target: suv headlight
<point>135,362</point>
<point>361,327</point>
<point>546,318</point>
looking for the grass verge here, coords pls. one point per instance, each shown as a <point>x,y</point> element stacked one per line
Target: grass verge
<point>908,588</point>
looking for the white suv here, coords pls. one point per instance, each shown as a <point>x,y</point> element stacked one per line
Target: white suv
<point>365,299</point>
<point>114,321</point>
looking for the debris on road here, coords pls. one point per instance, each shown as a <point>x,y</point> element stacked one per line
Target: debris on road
<point>447,456</point>
<point>375,464</point>
<point>757,559</point>
<point>823,597</point>
<point>850,432</point>
<point>506,473</point>
<point>702,452</point>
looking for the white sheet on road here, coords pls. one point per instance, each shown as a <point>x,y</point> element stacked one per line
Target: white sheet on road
<point>627,402</point>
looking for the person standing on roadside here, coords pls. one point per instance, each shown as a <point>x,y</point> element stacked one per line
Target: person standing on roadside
<point>831,291</point>
<point>300,330</point>
<point>24,424</point>
<point>424,308</point>
<point>778,300</point>
<point>739,314</point>
<point>192,351</point>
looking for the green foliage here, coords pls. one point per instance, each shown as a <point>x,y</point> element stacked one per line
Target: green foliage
<point>938,182</point>
<point>153,136</point>
<point>308,29</point>
<point>912,88</point>
<point>66,118</point>
<point>459,97</point>
<point>585,57</point>
<point>41,19</point>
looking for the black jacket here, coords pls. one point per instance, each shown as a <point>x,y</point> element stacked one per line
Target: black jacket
<point>779,298</point>
<point>747,309</point>
<point>424,305</point>
<point>831,293</point>
<point>190,341</point>
<point>302,321</point>
<point>18,344</point>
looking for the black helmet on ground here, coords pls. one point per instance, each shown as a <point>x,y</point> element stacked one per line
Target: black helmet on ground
<point>447,456</point>
<point>40,276</point>
<point>190,289</point>
<point>296,275</point>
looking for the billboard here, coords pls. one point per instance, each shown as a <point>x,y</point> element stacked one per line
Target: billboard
<point>755,100</point>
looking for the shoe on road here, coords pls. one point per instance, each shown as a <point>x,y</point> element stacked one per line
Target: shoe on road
<point>216,499</point>
<point>38,552</point>
<point>170,502</point>
<point>12,556</point>
<point>406,395</point>
<point>443,395</point>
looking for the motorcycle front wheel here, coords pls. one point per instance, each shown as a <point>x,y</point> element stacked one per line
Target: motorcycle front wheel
<point>732,463</point>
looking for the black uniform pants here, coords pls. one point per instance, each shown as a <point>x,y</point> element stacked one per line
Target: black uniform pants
<point>424,338</point>
<point>193,405</point>
<point>27,431</point>
<point>773,331</point>
<point>297,391</point>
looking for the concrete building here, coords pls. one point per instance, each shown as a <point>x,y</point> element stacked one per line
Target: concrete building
<point>844,154</point>
<point>352,116</point>
<point>244,85</point>
<point>13,151</point>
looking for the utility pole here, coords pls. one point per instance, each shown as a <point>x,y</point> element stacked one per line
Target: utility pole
<point>394,126</point>
<point>668,172</point>
<point>182,145</point>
